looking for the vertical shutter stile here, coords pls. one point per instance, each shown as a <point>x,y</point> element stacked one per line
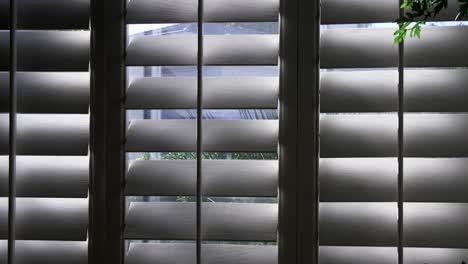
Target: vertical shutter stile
<point>200,131</point>
<point>12,114</point>
<point>52,131</point>
<point>401,142</point>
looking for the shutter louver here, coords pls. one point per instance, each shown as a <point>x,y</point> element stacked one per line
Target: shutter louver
<point>178,177</point>
<point>359,137</point>
<point>161,138</point>
<point>218,50</point>
<point>358,48</point>
<point>59,50</point>
<point>440,47</point>
<point>228,254</point>
<point>52,166</point>
<point>245,93</point>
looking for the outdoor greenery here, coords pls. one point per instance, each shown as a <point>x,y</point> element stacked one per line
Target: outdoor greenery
<point>417,12</point>
<point>219,155</point>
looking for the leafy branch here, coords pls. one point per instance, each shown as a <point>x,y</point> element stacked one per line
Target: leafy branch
<point>418,12</point>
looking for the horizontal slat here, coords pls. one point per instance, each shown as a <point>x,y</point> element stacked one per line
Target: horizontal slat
<point>241,50</point>
<point>241,11</point>
<point>241,178</point>
<point>48,219</point>
<point>42,92</point>
<point>3,251</point>
<point>162,93</point>
<point>160,11</point>
<point>48,92</point>
<point>4,92</point>
<point>219,50</point>
<point>3,218</point>
<point>51,252</point>
<point>162,50</point>
<point>145,253</point>
<point>358,224</point>
<point>218,93</point>
<point>370,11</point>
<point>4,19</point>
<point>358,179</point>
<point>239,254</point>
<point>221,221</point>
<point>376,91</point>
<point>436,135</point>
<point>436,179</point>
<point>358,135</point>
<point>358,11</point>
<point>236,92</point>
<point>435,225</point>
<point>160,253</point>
<point>218,135</point>
<point>47,134</point>
<point>435,255</point>
<point>359,91</point>
<point>245,178</point>
<point>436,90</point>
<point>161,221</point>
<point>33,14</point>
<point>51,219</point>
<point>239,221</point>
<point>358,255</point>
<point>52,134</point>
<point>358,48</point>
<point>433,49</point>
<point>4,176</point>
<point>370,135</point>
<point>47,176</point>
<point>4,133</point>
<point>161,135</point>
<point>240,135</point>
<point>46,252</point>
<point>374,135</point>
<point>161,178</point>
<point>48,50</point>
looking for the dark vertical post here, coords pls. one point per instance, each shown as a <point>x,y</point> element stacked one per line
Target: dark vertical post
<point>98,134</point>
<point>12,133</point>
<point>400,143</point>
<point>309,113</point>
<point>288,225</point>
<point>115,150</point>
<point>199,130</point>
<point>107,131</point>
<point>298,138</point>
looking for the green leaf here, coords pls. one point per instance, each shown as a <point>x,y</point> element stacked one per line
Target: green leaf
<point>463,10</point>
<point>416,30</point>
<point>407,4</point>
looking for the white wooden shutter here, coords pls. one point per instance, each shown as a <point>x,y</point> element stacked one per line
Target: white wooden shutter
<point>52,165</point>
<point>230,232</point>
<point>359,138</point>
